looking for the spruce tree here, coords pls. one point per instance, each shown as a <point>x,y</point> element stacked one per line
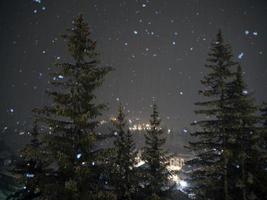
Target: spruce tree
<point>30,168</point>
<point>263,146</point>
<point>124,160</point>
<point>71,120</point>
<point>8,183</point>
<point>263,111</point>
<point>156,174</point>
<point>209,178</point>
<point>243,142</point>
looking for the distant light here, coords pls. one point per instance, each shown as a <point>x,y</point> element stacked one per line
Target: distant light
<point>183,184</point>
<point>173,43</point>
<point>35,11</point>
<point>79,155</point>
<point>37,1</point>
<point>143,5</point>
<point>135,32</point>
<point>240,56</point>
<point>43,8</point>
<point>11,110</point>
<point>246,32</point>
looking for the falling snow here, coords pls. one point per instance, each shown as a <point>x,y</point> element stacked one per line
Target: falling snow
<point>240,56</point>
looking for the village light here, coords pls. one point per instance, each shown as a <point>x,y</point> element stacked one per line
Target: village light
<point>183,184</point>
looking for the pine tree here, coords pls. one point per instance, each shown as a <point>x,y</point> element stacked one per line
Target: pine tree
<point>30,168</point>
<point>263,158</point>
<point>209,178</point>
<point>71,120</point>
<point>8,184</point>
<point>124,170</point>
<point>243,142</point>
<point>156,174</point>
<point>263,111</point>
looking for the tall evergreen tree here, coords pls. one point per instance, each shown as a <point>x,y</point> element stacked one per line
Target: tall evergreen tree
<point>209,179</point>
<point>263,146</point>
<point>30,169</point>
<point>124,170</point>
<point>244,140</point>
<point>8,184</point>
<point>263,111</point>
<point>156,174</point>
<point>71,120</point>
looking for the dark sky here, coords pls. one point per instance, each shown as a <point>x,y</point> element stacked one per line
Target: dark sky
<point>157,47</point>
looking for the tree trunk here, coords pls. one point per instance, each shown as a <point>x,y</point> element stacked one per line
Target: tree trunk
<point>226,192</point>
<point>244,192</point>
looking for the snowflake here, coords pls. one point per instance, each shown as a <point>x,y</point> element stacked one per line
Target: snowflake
<point>245,92</point>
<point>255,33</point>
<point>60,77</point>
<point>37,1</point>
<point>240,56</point>
<point>29,175</point>
<point>79,155</point>
<point>185,130</point>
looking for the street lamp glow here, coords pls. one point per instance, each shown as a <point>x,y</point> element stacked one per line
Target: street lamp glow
<point>183,184</point>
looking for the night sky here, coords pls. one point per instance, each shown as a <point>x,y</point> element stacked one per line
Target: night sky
<point>157,48</point>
